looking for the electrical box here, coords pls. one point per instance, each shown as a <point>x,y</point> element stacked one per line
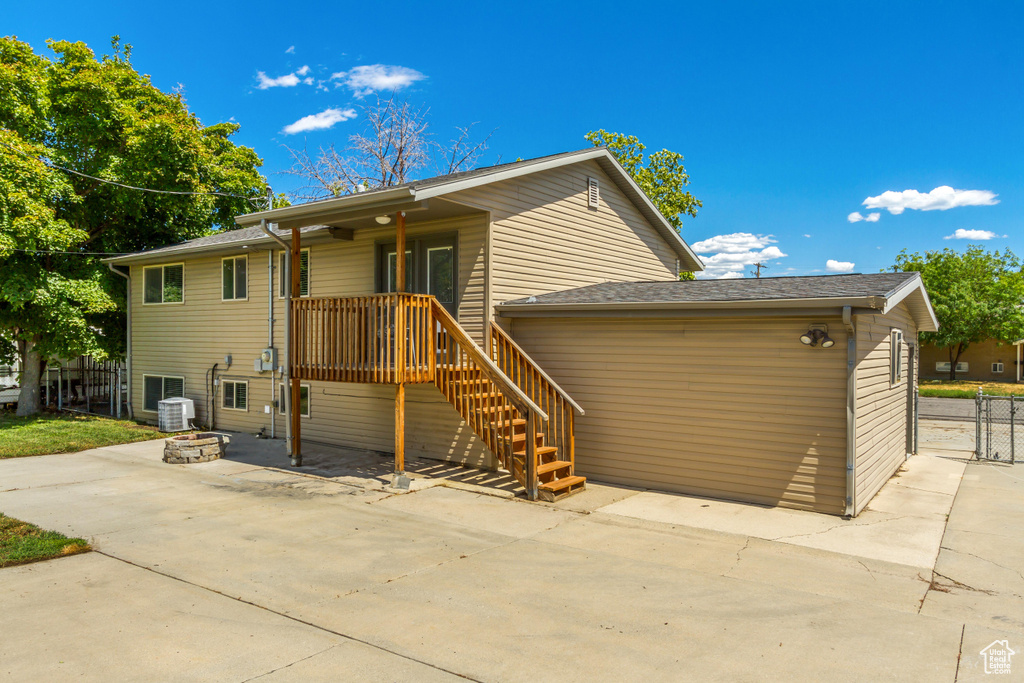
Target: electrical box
<point>267,360</point>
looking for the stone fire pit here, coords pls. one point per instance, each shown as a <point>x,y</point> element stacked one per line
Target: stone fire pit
<point>192,448</point>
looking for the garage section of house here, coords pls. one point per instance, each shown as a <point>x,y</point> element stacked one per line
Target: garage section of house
<point>744,390</point>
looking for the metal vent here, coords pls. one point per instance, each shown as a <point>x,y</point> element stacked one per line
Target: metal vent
<point>593,192</point>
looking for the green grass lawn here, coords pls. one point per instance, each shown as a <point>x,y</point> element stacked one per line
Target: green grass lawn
<point>21,543</point>
<point>943,388</point>
<point>66,433</point>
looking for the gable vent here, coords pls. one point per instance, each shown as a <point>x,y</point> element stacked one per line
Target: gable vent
<point>593,192</point>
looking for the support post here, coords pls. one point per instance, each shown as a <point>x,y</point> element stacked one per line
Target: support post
<point>400,276</point>
<point>530,466</point>
<point>296,388</point>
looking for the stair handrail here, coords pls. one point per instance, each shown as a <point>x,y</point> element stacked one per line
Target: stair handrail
<point>516,396</point>
<point>495,328</point>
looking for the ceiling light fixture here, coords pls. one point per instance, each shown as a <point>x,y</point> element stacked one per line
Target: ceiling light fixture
<point>383,220</point>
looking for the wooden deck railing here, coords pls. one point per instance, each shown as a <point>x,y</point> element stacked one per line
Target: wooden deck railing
<point>359,339</point>
<point>540,388</point>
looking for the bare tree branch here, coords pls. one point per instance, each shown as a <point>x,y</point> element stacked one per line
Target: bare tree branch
<point>394,148</point>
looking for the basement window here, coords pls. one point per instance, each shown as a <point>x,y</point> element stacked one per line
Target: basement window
<point>303,399</point>
<point>236,395</point>
<point>997,367</point>
<point>283,286</point>
<point>895,357</point>
<point>164,284</point>
<point>234,283</point>
<point>158,387</point>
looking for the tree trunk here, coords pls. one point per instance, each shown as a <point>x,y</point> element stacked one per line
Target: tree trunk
<point>954,359</point>
<point>28,399</point>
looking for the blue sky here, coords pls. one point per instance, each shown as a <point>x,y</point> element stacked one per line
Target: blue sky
<point>790,115</point>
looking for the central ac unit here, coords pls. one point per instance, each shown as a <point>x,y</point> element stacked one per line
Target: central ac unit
<point>174,414</point>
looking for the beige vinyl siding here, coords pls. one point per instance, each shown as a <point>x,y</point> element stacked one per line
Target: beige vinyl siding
<point>188,339</point>
<point>881,409</point>
<point>724,408</point>
<point>545,237</point>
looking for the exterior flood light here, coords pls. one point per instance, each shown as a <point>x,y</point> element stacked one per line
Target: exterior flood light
<point>383,220</point>
<point>815,335</point>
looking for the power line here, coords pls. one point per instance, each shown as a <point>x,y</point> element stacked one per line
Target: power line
<point>50,164</point>
<point>73,253</point>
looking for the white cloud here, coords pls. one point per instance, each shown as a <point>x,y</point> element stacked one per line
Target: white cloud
<point>806,235</point>
<point>308,80</point>
<point>303,71</point>
<point>962,234</point>
<point>833,266</point>
<point>290,51</point>
<point>729,254</point>
<point>325,119</point>
<point>855,217</point>
<point>286,81</point>
<point>367,79</point>
<point>941,198</point>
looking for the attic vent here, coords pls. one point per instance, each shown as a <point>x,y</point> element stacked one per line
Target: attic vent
<point>593,192</point>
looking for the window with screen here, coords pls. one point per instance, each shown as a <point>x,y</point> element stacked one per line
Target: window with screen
<point>303,399</point>
<point>234,283</point>
<point>895,356</point>
<point>163,284</point>
<point>156,388</point>
<point>283,284</point>
<point>235,395</point>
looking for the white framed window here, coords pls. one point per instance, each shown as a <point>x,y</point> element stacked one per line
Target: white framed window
<point>282,284</point>
<point>944,367</point>
<point>163,284</point>
<point>156,388</point>
<point>234,278</point>
<point>997,367</point>
<point>235,395</point>
<point>303,399</point>
<point>895,356</point>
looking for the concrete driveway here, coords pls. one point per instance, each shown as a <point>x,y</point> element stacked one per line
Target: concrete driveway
<point>958,409</point>
<point>233,571</point>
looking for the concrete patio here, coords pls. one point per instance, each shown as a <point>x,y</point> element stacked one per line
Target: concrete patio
<point>231,570</point>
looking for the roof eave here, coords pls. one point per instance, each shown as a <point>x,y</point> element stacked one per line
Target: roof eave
<point>866,302</point>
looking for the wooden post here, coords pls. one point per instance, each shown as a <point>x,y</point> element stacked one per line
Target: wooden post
<point>296,387</point>
<point>400,346</point>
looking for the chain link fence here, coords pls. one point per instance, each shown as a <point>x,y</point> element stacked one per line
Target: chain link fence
<point>998,430</point>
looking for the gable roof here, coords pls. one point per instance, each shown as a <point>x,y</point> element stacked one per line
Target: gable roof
<point>877,291</point>
<point>421,190</point>
<point>220,241</point>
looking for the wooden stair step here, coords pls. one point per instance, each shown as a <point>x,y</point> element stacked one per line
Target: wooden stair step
<point>561,488</point>
<point>496,409</point>
<point>541,450</point>
<point>552,466</point>
<point>519,440</point>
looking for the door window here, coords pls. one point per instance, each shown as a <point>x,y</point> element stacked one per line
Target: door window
<point>431,268</point>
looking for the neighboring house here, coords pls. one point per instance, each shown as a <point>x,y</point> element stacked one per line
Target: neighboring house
<point>699,387</point>
<point>985,361</point>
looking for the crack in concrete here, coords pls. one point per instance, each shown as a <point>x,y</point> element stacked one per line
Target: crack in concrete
<point>833,528</point>
<point>280,668</point>
<point>955,584</point>
<point>1018,572</point>
<point>285,615</point>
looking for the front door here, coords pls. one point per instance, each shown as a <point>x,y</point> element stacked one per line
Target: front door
<point>430,264</point>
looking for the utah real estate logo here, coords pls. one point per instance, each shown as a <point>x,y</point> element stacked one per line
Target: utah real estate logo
<point>997,657</point>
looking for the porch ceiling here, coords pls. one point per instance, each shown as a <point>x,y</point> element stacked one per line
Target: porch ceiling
<point>364,216</point>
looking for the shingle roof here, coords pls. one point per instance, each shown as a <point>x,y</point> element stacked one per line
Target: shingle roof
<point>221,238</point>
<point>738,290</point>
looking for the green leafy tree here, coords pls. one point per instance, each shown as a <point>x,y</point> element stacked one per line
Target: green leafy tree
<point>102,119</point>
<point>661,176</point>
<point>977,295</point>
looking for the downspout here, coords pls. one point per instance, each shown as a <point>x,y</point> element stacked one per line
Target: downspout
<point>128,343</point>
<point>270,338</point>
<point>851,409</point>
<point>287,355</point>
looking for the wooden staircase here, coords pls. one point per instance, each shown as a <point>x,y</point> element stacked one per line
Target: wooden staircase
<point>522,416</point>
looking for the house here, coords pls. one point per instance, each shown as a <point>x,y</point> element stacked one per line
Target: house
<point>985,361</point>
<point>529,290</point>
<point>998,657</point>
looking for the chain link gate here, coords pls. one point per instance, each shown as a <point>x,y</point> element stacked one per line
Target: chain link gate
<point>997,432</point>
